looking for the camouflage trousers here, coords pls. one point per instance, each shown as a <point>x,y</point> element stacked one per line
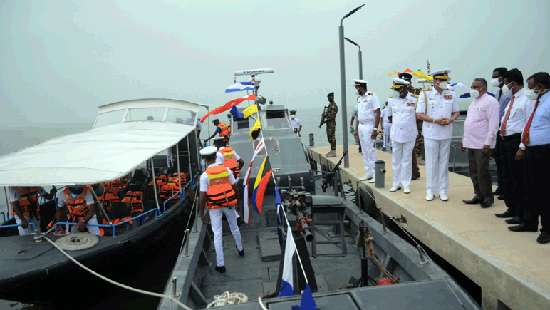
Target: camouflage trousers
<point>331,134</point>
<point>417,152</point>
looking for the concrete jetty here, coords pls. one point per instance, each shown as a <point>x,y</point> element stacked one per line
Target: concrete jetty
<point>512,270</point>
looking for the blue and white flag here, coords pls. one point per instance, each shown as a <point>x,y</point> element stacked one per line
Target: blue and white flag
<point>239,86</point>
<point>307,302</point>
<point>287,279</point>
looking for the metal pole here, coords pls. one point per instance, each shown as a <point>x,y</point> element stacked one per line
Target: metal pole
<point>343,90</point>
<point>178,164</point>
<point>360,54</point>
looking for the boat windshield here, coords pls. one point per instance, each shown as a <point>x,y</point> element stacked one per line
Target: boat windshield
<point>145,114</point>
<point>109,118</point>
<point>180,116</point>
<point>275,119</point>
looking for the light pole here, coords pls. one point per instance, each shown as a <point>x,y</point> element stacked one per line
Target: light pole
<point>359,56</point>
<point>343,83</point>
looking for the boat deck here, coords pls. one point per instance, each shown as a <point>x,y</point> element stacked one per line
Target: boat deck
<point>511,268</point>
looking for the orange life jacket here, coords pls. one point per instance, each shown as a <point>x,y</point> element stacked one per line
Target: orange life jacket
<point>229,160</point>
<point>220,192</point>
<point>225,130</point>
<point>77,206</point>
<point>28,200</point>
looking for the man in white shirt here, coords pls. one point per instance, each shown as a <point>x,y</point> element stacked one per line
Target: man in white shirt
<point>386,127</point>
<point>368,115</point>
<point>402,110</point>
<point>515,115</point>
<point>295,123</point>
<point>80,205</point>
<point>438,109</point>
<point>218,193</point>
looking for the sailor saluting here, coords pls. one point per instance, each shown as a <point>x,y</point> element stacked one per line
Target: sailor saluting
<point>218,193</point>
<point>438,109</point>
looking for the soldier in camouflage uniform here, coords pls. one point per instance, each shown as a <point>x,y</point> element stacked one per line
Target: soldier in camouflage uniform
<point>330,119</point>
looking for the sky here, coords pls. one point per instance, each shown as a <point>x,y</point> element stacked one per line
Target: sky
<point>60,60</point>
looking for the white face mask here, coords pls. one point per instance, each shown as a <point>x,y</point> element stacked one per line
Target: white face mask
<point>506,90</point>
<point>530,93</point>
<point>443,84</point>
<point>474,93</point>
<point>495,82</point>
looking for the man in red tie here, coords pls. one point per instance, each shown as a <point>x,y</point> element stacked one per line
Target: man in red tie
<point>535,147</point>
<point>513,121</point>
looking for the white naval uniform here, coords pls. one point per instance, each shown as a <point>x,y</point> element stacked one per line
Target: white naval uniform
<point>403,137</point>
<point>216,219</point>
<point>366,105</point>
<point>437,138</point>
<point>386,126</point>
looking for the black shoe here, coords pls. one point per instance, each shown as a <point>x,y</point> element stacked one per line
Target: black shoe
<point>415,177</point>
<point>523,228</point>
<point>497,191</point>
<point>505,214</point>
<point>500,197</point>
<point>220,269</point>
<point>486,205</point>
<point>543,238</point>
<point>241,252</point>
<point>473,201</point>
<point>513,220</point>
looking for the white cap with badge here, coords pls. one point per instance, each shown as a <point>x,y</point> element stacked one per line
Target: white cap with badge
<point>208,150</point>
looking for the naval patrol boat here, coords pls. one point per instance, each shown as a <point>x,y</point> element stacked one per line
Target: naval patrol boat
<point>349,259</point>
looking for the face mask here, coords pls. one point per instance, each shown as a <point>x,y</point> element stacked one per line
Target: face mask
<point>531,94</point>
<point>443,84</point>
<point>474,93</point>
<point>506,90</point>
<point>495,82</point>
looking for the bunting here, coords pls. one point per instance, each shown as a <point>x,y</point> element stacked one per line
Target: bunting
<point>287,278</point>
<point>251,109</point>
<point>228,105</point>
<point>260,184</point>
<point>246,204</point>
<point>255,129</point>
<point>239,86</point>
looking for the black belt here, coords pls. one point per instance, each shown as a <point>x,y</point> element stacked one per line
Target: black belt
<point>544,147</point>
<point>512,137</point>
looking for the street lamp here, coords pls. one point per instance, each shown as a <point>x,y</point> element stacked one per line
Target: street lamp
<point>359,56</point>
<point>343,83</point>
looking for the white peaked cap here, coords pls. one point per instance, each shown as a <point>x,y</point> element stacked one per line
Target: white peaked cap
<point>208,150</point>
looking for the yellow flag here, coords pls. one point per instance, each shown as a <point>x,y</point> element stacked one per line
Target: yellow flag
<point>251,109</point>
<point>257,126</point>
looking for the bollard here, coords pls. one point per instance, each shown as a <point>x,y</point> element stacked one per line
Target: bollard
<point>311,140</point>
<point>379,173</point>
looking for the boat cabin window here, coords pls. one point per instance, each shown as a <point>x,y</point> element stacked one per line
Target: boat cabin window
<point>180,116</point>
<point>275,119</point>
<point>145,114</point>
<point>242,124</point>
<point>109,118</point>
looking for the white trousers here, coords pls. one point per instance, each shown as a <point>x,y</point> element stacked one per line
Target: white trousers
<point>216,221</point>
<point>91,229</point>
<point>367,148</point>
<point>29,229</point>
<point>387,143</point>
<point>402,163</point>
<point>437,165</point>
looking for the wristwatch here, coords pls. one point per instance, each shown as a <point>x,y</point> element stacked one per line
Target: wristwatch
<point>522,146</point>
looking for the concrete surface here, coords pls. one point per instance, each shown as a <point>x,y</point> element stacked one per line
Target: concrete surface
<point>511,268</point>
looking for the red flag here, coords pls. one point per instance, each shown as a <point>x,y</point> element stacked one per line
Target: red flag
<point>227,106</point>
<point>260,191</point>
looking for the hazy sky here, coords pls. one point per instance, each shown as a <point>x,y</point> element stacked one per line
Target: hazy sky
<point>59,60</point>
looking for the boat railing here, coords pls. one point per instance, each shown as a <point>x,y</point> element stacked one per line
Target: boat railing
<point>31,224</point>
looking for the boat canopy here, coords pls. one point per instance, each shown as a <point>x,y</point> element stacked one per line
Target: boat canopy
<point>103,153</point>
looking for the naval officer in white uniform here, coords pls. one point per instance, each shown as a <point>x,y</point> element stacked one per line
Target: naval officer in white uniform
<point>402,109</point>
<point>368,115</point>
<point>438,109</point>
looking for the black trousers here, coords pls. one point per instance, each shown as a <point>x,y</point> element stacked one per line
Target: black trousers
<point>537,162</point>
<point>479,173</point>
<point>513,175</point>
<point>497,155</point>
